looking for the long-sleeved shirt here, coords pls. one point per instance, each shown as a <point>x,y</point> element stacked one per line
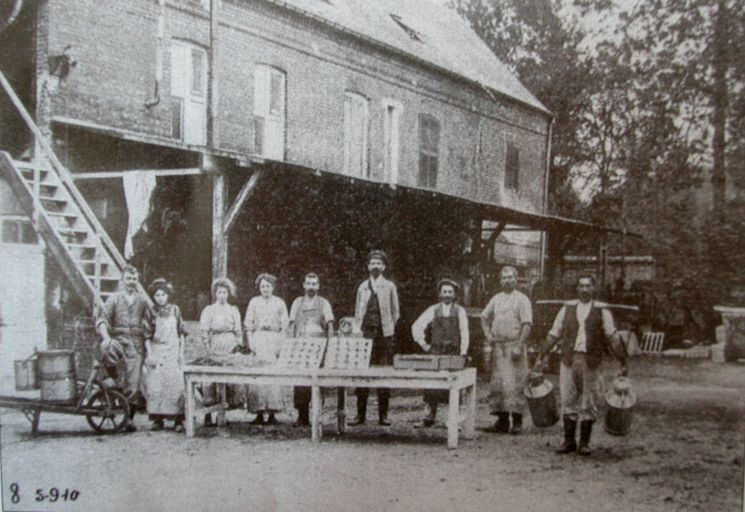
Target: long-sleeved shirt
<point>266,314</point>
<point>583,310</point>
<point>419,327</point>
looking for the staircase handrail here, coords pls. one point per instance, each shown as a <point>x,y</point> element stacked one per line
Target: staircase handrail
<point>64,174</point>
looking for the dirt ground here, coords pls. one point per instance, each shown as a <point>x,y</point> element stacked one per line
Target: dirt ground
<point>685,454</point>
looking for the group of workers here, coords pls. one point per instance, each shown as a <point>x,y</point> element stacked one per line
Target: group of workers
<point>133,333</point>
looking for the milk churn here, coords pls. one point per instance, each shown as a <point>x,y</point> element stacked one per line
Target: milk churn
<point>620,399</point>
<point>541,399</point>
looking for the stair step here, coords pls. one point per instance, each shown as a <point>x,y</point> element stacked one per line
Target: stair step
<point>58,200</point>
<point>72,231</point>
<point>68,216</point>
<point>104,278</point>
<point>28,172</point>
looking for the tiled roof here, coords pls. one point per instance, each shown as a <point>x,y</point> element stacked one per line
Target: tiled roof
<point>424,30</point>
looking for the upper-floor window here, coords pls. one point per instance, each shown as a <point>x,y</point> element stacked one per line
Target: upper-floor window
<point>512,166</point>
<point>391,136</point>
<point>269,112</point>
<point>189,92</point>
<point>429,150</point>
<point>356,119</point>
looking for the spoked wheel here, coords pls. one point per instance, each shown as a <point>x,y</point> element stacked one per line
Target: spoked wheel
<point>113,411</point>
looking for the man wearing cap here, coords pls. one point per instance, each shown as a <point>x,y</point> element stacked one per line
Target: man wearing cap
<point>441,329</point>
<point>376,309</point>
<point>120,324</point>
<point>583,329</point>
<point>506,321</point>
<point>311,316</point>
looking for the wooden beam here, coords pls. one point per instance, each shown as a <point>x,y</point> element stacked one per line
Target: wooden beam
<point>237,205</point>
<point>219,239</point>
<point>190,171</point>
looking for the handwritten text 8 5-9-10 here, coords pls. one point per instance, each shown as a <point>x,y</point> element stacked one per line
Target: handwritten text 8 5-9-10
<point>51,495</point>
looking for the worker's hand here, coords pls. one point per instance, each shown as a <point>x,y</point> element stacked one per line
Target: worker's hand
<point>538,364</point>
<point>427,347</point>
<point>105,344</point>
<point>237,349</point>
<point>150,362</point>
<point>516,354</point>
<point>624,372</point>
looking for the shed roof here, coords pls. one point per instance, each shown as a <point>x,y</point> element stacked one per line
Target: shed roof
<point>424,30</point>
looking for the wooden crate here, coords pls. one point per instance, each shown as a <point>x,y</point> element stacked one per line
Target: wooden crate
<point>428,362</point>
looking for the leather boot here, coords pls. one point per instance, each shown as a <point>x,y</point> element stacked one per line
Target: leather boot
<point>383,411</point>
<point>303,416</point>
<point>585,432</point>
<point>502,425</point>
<point>570,431</point>
<point>361,412</point>
<point>517,424</point>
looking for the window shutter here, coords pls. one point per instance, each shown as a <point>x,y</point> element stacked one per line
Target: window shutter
<point>179,70</point>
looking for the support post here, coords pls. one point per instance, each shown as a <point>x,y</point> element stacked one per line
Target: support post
<point>219,237</point>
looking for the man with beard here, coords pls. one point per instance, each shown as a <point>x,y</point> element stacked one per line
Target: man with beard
<point>583,328</point>
<point>443,330</point>
<point>120,324</point>
<point>376,308</point>
<point>506,322</point>
<point>310,316</point>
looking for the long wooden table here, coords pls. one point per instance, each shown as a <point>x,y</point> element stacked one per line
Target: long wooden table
<point>373,377</point>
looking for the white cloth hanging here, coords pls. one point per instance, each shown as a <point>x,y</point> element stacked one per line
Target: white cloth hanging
<point>138,187</point>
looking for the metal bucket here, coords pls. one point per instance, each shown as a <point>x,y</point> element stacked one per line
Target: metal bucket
<point>620,400</point>
<point>27,376</point>
<point>57,375</point>
<point>541,399</point>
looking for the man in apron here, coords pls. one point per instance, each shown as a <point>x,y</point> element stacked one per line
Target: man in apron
<point>506,321</point>
<point>376,309</point>
<point>583,329</point>
<point>443,330</point>
<point>120,324</point>
<point>310,316</point>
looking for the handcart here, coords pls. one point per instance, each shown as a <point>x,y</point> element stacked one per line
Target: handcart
<point>104,406</point>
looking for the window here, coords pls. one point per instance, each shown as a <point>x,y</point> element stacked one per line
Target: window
<point>269,112</point>
<point>18,232</point>
<point>356,114</point>
<point>429,152</point>
<point>189,93</point>
<point>512,166</point>
<point>391,136</point>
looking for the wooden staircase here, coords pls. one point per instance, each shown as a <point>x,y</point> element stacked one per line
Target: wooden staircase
<point>45,189</point>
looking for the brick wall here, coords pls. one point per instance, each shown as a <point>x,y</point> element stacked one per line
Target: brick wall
<point>115,44</point>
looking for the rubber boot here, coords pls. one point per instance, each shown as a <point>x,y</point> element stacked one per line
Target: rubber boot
<point>585,432</point>
<point>208,421</point>
<point>383,411</point>
<point>517,424</point>
<point>259,419</point>
<point>361,412</point>
<point>429,419</point>
<point>130,421</point>
<point>570,431</point>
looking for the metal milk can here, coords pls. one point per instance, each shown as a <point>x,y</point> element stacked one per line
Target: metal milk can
<point>620,400</point>
<point>541,399</point>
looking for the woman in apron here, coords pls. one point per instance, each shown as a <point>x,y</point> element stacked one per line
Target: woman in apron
<point>164,342</point>
<point>220,326</point>
<point>266,322</point>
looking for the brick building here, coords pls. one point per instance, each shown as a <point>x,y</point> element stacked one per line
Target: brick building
<point>241,109</point>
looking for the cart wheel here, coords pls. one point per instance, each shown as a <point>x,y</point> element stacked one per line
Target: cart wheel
<point>113,411</point>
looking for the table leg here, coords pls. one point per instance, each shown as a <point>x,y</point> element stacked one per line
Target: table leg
<point>315,418</point>
<point>453,406</point>
<point>341,410</point>
<point>223,396</point>
<point>469,426</point>
<point>189,408</point>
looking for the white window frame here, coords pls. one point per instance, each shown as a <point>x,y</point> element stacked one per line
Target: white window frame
<point>356,164</point>
<point>193,109</point>
<point>270,124</point>
<point>392,111</point>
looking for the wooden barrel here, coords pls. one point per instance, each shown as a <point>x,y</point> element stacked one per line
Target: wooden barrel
<point>541,399</point>
<point>620,400</point>
<point>57,375</point>
<point>27,376</point>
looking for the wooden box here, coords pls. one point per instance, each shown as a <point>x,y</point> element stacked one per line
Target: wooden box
<point>415,362</point>
<point>451,362</point>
